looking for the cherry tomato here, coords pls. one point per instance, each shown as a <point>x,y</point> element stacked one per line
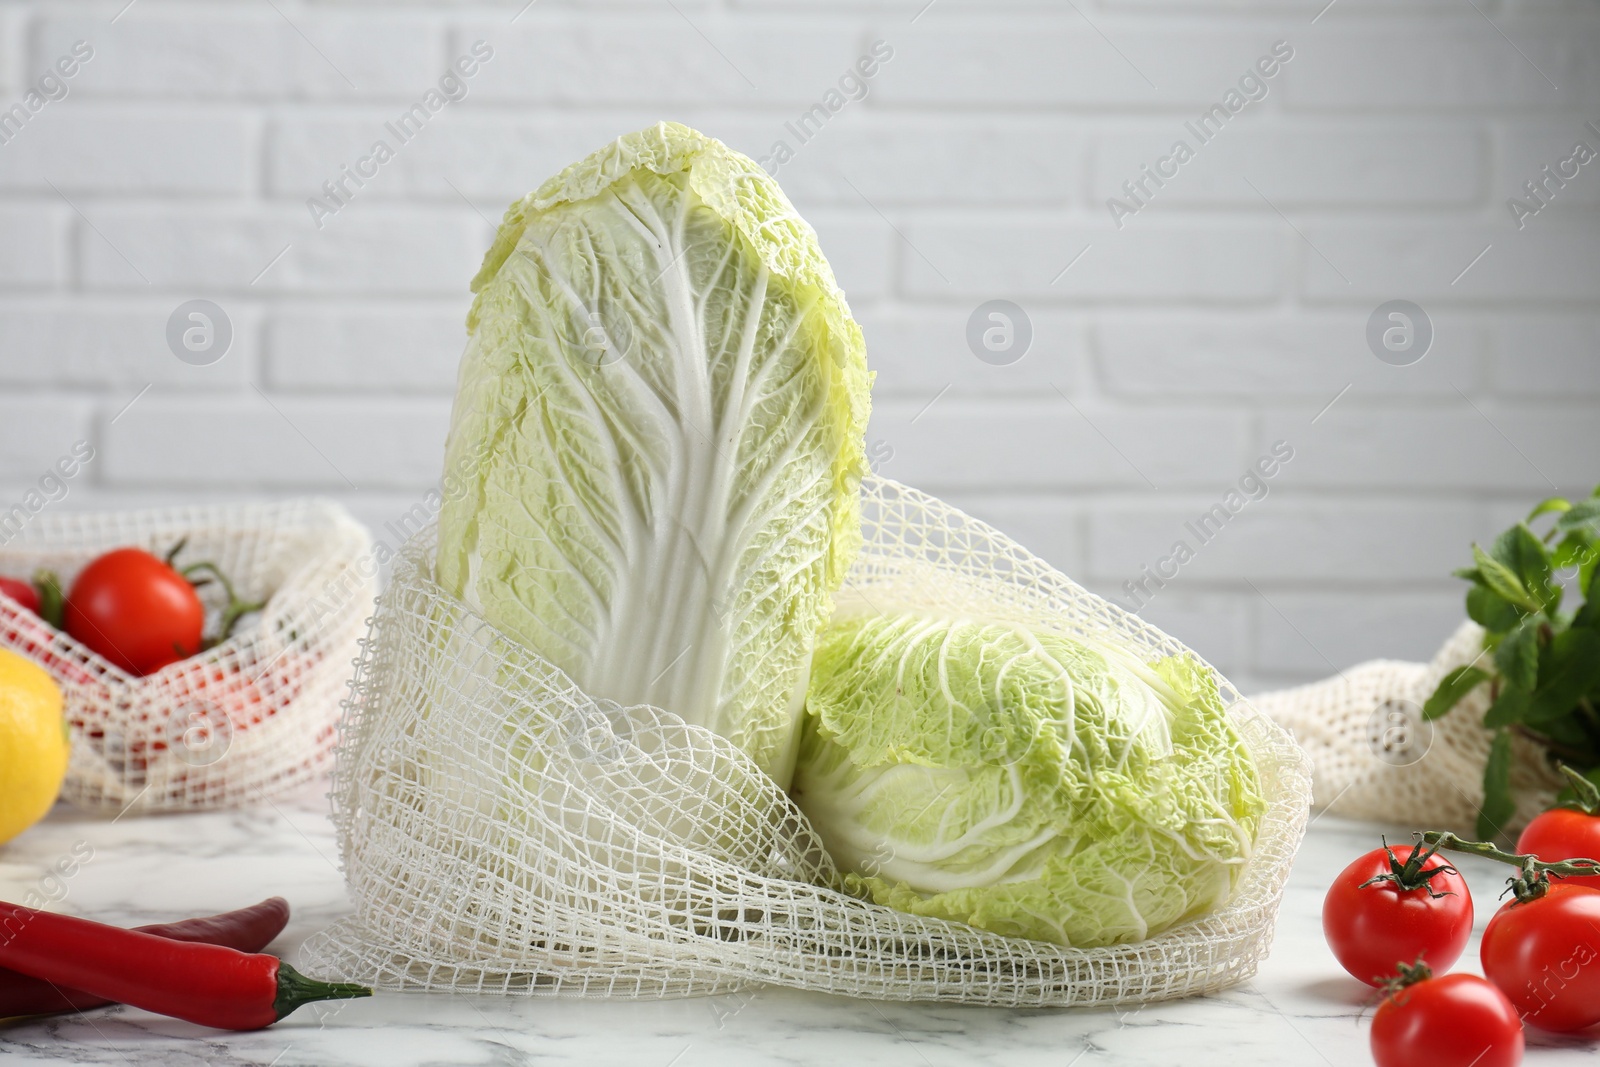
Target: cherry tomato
<point>136,611</point>
<point>1458,1020</point>
<point>1564,834</point>
<point>1544,954</point>
<point>22,592</point>
<point>1372,927</point>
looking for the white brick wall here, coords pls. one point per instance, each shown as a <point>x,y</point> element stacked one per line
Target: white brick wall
<point>1223,316</point>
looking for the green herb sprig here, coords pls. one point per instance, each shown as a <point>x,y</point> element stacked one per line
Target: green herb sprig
<point>1542,664</point>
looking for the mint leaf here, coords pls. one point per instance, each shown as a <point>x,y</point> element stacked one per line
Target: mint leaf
<point>1497,803</point>
<point>1572,549</point>
<point>1579,515</point>
<point>1503,580</point>
<point>1452,688</point>
<point>1546,506</point>
<point>1517,658</point>
<point>1492,611</point>
<point>1580,548</point>
<point>1526,557</point>
<point>1510,707</point>
<point>1568,669</point>
<point>1588,616</point>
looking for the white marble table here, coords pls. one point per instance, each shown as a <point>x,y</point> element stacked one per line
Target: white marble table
<point>1300,1009</point>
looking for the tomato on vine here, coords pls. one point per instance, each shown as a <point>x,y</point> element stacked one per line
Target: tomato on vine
<point>138,610</point>
<point>1568,832</point>
<point>1543,953</point>
<point>135,610</point>
<point>1458,1020</point>
<point>1541,948</point>
<point>1394,906</point>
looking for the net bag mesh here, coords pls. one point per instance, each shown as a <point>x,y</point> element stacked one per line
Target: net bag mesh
<point>503,832</point>
<point>250,718</point>
<point>1375,757</point>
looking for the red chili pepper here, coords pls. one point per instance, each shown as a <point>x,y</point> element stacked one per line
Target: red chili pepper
<point>248,930</point>
<point>205,984</point>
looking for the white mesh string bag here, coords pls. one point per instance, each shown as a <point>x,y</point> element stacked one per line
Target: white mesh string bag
<point>503,832</point>
<point>252,717</point>
<point>1375,757</point>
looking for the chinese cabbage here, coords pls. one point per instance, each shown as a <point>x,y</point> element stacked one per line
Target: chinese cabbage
<point>1028,783</point>
<point>657,439</point>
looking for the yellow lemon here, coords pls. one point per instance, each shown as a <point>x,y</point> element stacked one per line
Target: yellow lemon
<point>33,744</point>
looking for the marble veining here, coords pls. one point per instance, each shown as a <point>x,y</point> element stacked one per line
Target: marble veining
<point>1300,1008</point>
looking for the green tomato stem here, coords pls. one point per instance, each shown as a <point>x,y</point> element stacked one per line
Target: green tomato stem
<point>1534,879</point>
<point>172,553</point>
<point>235,609</point>
<point>1410,875</point>
<point>1406,975</point>
<point>1586,796</point>
<point>52,602</point>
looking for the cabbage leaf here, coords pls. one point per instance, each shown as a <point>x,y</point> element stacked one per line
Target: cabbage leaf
<point>654,459</point>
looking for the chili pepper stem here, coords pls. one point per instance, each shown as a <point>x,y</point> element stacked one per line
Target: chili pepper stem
<point>295,990</point>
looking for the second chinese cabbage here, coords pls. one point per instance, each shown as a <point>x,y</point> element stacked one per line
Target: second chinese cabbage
<point>657,437</point>
<point>1025,782</point>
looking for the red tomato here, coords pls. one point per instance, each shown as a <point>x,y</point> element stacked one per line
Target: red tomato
<point>1372,929</point>
<point>136,611</point>
<point>1564,834</point>
<point>1545,955</point>
<point>1458,1020</point>
<point>22,592</point>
